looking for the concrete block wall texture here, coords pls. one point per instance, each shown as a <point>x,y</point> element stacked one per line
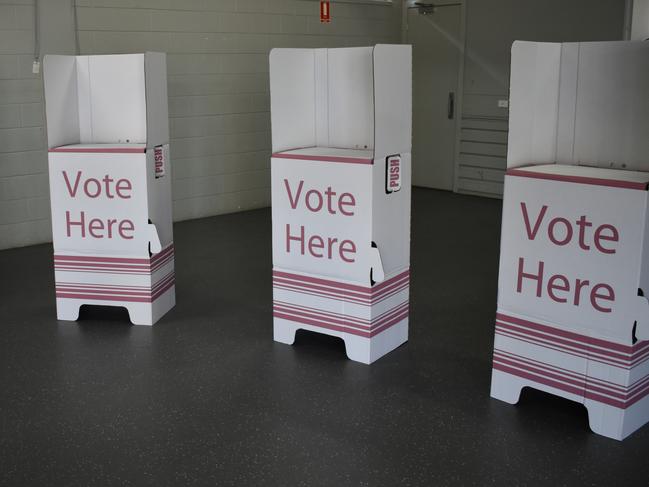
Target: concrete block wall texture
<point>217,60</point>
<point>24,197</point>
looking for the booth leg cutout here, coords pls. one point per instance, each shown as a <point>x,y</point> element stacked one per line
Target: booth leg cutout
<point>149,313</point>
<point>505,387</point>
<point>358,349</point>
<point>140,313</point>
<point>284,331</point>
<point>604,419</point>
<point>368,350</point>
<point>67,309</point>
<point>371,321</point>
<point>617,423</point>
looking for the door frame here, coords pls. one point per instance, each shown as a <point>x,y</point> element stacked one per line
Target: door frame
<point>459,90</point>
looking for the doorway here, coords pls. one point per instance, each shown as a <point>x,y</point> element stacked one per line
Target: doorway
<point>436,36</point>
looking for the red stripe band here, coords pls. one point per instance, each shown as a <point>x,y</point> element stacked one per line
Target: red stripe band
<point>344,160</point>
<point>615,183</point>
<point>303,289</point>
<point>299,312</point>
<point>99,150</point>
<point>343,324</point>
<point>565,350</point>
<point>340,290</point>
<point>105,292</point>
<point>579,346</point>
<point>117,265</point>
<point>597,344</point>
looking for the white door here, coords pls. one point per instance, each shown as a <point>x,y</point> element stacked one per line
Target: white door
<point>435,38</point>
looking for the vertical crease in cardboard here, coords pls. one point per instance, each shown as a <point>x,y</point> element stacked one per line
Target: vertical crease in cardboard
<point>372,136</point>
<point>574,123</point>
<point>147,100</point>
<point>557,157</point>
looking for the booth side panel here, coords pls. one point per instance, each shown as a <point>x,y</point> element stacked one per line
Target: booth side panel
<point>351,98</point>
<point>159,180</point>
<point>612,114</point>
<point>392,100</point>
<point>84,92</point>
<point>533,103</point>
<point>391,213</point>
<point>61,100</point>
<point>569,76</point>
<point>117,93</point>
<point>321,80</point>
<point>642,327</point>
<point>292,98</point>
<point>157,110</point>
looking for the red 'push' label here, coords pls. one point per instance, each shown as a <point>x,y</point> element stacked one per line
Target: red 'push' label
<point>159,158</point>
<point>325,12</point>
<point>392,173</point>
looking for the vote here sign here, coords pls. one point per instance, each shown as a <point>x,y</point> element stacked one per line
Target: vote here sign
<point>322,218</point>
<point>571,253</point>
<point>99,202</point>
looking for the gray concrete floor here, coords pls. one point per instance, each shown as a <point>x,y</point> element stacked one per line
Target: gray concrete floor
<point>206,396</point>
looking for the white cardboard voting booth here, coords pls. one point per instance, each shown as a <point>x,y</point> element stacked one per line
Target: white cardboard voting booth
<point>341,122</point>
<point>573,317</point>
<point>110,183</point>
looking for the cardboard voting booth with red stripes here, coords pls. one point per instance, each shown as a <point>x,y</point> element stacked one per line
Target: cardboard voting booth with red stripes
<point>340,169</point>
<point>573,315</point>
<point>110,183</point>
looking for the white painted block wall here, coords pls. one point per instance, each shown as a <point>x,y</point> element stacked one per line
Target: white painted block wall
<point>218,92</point>
<point>24,197</point>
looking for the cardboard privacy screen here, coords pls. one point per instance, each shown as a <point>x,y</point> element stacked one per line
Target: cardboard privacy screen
<point>340,171</point>
<point>110,186</point>
<point>572,315</point>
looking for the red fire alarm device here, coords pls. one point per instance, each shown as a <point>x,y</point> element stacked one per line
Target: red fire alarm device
<point>325,12</point>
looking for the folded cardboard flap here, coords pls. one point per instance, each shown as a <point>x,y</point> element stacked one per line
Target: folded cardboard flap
<point>377,273</point>
<point>642,322</point>
<point>154,240</point>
